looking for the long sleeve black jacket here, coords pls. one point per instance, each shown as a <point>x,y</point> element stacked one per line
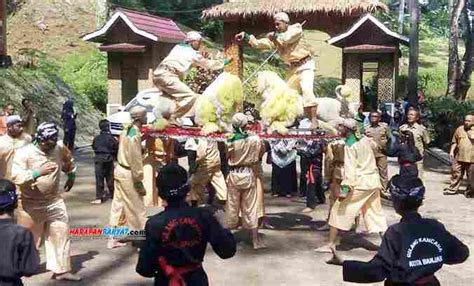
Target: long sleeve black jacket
<point>411,250</point>
<point>180,234</point>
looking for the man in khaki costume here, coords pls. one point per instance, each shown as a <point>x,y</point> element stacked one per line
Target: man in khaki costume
<point>243,152</point>
<point>204,169</point>
<point>462,156</point>
<point>288,41</point>
<point>380,133</point>
<point>420,134</point>
<point>128,177</point>
<point>170,73</point>
<point>157,154</point>
<point>36,172</point>
<point>360,189</point>
<point>13,140</point>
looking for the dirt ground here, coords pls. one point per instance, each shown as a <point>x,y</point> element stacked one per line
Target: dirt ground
<point>289,259</point>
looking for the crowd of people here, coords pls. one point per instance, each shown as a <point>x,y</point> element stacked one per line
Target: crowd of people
<point>142,171</point>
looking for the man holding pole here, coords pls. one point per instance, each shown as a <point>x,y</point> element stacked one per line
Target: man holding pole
<point>288,42</point>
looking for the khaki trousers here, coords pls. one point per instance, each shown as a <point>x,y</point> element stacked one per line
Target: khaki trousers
<point>303,82</point>
<point>202,178</point>
<point>126,201</point>
<point>382,165</point>
<point>260,191</point>
<point>150,172</point>
<point>458,170</point>
<point>177,90</point>
<point>51,223</point>
<point>364,202</point>
<point>421,170</point>
<point>243,202</point>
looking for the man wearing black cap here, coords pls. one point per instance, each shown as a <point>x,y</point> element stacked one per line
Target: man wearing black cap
<point>18,254</point>
<point>176,238</point>
<point>413,249</point>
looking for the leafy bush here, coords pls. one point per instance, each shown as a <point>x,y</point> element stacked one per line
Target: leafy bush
<point>87,75</point>
<point>432,82</point>
<point>212,29</point>
<point>445,114</point>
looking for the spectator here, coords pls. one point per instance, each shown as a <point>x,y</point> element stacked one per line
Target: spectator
<point>105,147</point>
<point>29,117</point>
<point>380,133</point>
<point>284,177</point>
<point>420,134</point>
<point>462,156</point>
<point>7,111</point>
<point>69,124</point>
<point>385,117</point>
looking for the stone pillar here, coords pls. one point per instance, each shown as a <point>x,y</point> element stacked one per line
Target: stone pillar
<point>114,84</point>
<point>233,50</point>
<point>5,60</point>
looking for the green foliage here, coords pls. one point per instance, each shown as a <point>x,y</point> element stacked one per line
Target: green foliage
<point>87,75</point>
<point>213,29</point>
<point>445,114</point>
<point>433,81</point>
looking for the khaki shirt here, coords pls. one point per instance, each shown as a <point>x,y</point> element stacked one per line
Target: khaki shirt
<point>246,152</point>
<point>3,125</point>
<point>380,135</point>
<point>129,154</point>
<point>182,57</point>
<point>44,189</point>
<point>8,146</point>
<point>156,151</point>
<point>207,153</point>
<point>290,44</point>
<point>334,161</point>
<point>420,134</point>
<point>360,169</point>
<point>464,145</point>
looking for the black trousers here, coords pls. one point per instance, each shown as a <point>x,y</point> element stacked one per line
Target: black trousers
<point>104,171</point>
<point>314,190</point>
<point>304,165</point>
<point>284,180</point>
<point>69,137</point>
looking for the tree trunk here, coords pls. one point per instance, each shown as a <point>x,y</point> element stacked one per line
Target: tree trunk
<point>412,84</point>
<point>465,81</point>
<point>102,12</point>
<point>454,64</point>
<point>401,16</point>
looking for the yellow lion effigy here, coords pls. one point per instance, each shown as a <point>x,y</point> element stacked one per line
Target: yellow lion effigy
<point>281,105</point>
<point>215,107</point>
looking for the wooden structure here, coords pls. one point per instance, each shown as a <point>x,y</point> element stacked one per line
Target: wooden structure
<point>135,43</point>
<point>256,16</point>
<point>5,60</point>
<point>370,46</point>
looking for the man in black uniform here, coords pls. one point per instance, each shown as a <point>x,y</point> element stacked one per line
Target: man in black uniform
<point>18,254</point>
<point>413,249</point>
<point>105,147</point>
<point>176,238</point>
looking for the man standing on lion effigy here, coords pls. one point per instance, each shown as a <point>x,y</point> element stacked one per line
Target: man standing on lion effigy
<point>169,74</point>
<point>288,41</point>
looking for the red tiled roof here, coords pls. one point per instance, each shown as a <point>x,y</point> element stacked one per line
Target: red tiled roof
<point>370,48</point>
<point>152,27</point>
<point>123,47</point>
<point>158,26</point>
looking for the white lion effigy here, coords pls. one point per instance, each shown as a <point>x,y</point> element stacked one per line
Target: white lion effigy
<point>334,110</point>
<point>218,103</point>
<point>281,105</point>
<point>213,109</point>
